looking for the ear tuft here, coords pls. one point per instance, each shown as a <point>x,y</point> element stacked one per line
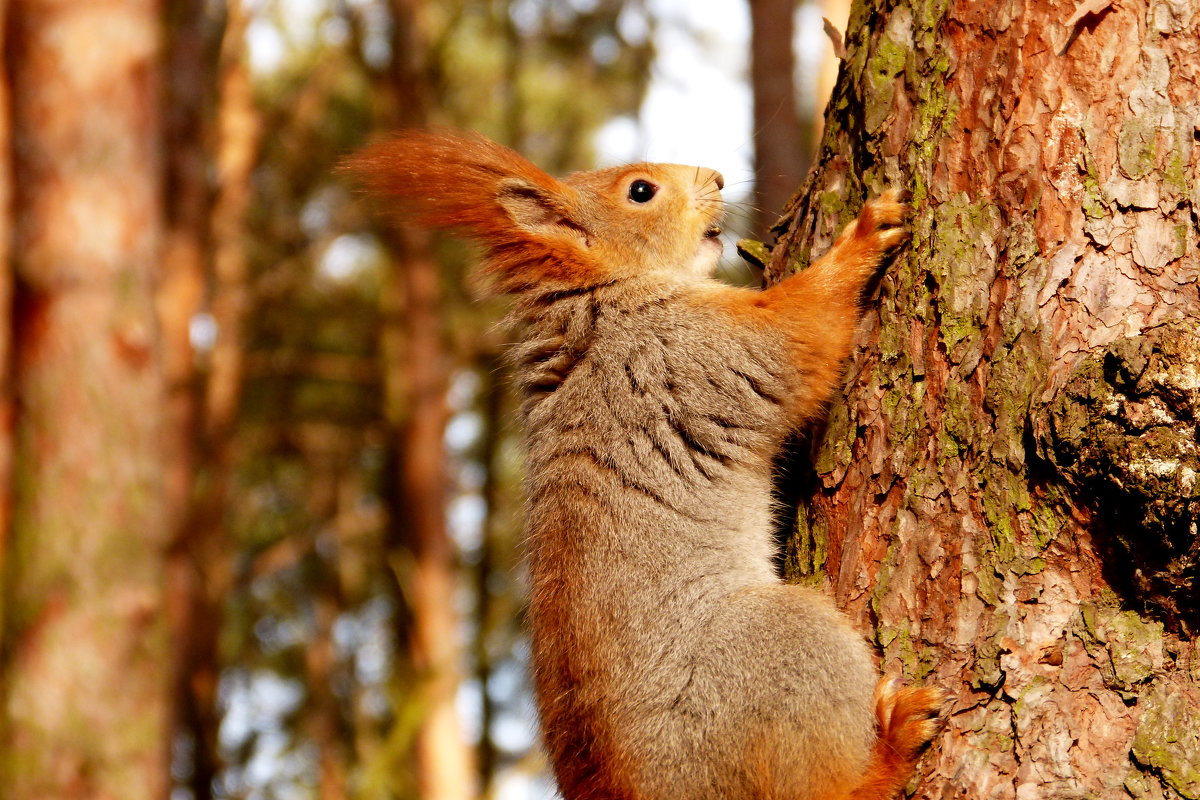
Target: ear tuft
<point>527,204</point>
<point>534,209</point>
<point>446,179</point>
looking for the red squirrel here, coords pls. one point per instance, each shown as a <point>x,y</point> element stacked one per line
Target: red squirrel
<point>669,660</point>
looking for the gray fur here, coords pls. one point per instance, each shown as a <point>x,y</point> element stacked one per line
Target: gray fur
<point>651,428</point>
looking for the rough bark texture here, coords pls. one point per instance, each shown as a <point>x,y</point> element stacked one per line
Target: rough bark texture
<point>1006,496</point>
<point>84,710</point>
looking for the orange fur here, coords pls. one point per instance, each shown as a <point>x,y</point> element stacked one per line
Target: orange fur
<point>447,179</point>
<point>908,720</point>
<point>831,286</point>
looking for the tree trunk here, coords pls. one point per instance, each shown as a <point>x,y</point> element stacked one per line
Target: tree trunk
<point>782,141</point>
<point>423,553</point>
<point>84,639</point>
<point>1006,494</point>
<point>190,59</point>
<point>416,377</point>
<point>493,408</point>
<point>6,312</point>
<point>203,538</point>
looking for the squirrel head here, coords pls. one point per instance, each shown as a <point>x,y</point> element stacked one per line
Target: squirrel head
<point>540,232</point>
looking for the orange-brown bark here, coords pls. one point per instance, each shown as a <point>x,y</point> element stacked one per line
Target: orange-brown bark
<point>959,504</point>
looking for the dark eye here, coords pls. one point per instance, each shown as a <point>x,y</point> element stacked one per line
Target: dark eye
<point>641,191</point>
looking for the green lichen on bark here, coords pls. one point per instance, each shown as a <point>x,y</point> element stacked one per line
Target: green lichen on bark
<point>986,673</point>
<point>1136,146</point>
<point>753,252</point>
<point>901,647</point>
<point>1168,738</point>
<point>883,66</point>
<point>1128,649</point>
<point>961,258</point>
<point>840,433</point>
<point>1177,175</point>
<point>806,552</point>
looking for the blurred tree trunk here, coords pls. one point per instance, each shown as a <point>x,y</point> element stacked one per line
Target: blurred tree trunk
<point>85,705</point>
<point>492,395</point>
<point>325,726</point>
<point>191,50</point>
<point>324,723</point>
<point>782,141</point>
<point>834,14</point>
<point>202,540</point>
<point>1006,495</point>
<point>416,370</point>
<point>6,310</point>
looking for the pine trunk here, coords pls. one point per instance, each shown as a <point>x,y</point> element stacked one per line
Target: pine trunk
<point>416,378</point>
<point>84,637</point>
<point>1006,494</point>
<point>189,89</point>
<point>202,560</point>
<point>782,141</point>
<point>6,311</point>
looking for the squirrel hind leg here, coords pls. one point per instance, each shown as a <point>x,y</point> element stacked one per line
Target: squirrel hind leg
<point>907,719</point>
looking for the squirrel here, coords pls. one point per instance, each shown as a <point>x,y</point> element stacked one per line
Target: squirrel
<point>669,660</point>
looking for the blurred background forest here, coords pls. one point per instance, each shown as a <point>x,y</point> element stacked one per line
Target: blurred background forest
<point>260,522</point>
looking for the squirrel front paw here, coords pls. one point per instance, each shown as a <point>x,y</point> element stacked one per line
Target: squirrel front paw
<point>860,248</point>
<point>878,227</point>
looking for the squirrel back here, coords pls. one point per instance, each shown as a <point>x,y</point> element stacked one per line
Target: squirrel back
<point>669,660</point>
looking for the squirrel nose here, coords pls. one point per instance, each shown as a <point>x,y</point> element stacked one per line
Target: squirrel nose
<point>719,179</point>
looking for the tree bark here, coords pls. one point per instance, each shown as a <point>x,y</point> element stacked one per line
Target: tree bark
<point>84,636</point>
<point>1005,495</point>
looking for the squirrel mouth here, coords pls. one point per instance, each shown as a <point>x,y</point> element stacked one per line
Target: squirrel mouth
<point>713,232</point>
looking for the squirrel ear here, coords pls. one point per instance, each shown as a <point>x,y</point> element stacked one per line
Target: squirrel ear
<point>536,209</point>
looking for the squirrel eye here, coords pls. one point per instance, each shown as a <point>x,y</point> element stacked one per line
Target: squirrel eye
<point>641,191</point>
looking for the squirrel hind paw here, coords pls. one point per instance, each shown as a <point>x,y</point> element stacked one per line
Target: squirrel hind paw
<point>909,717</point>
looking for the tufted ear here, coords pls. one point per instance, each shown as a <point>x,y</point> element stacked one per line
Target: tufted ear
<point>539,211</point>
<point>529,223</point>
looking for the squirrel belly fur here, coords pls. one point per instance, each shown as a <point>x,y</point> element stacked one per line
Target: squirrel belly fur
<point>670,662</point>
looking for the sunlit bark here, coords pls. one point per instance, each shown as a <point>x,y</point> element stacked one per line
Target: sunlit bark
<point>1005,495</point>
